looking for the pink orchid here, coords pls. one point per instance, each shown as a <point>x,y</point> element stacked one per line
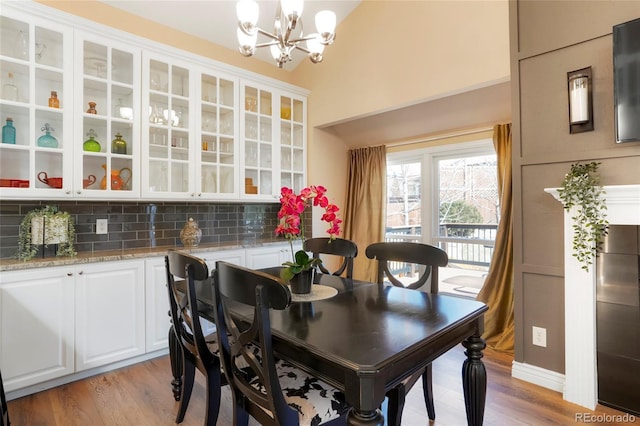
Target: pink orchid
<point>292,207</point>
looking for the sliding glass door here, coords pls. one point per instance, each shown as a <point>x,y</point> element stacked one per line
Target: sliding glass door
<point>446,196</point>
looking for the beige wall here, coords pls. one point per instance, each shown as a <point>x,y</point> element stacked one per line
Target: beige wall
<point>548,39</point>
<point>116,18</point>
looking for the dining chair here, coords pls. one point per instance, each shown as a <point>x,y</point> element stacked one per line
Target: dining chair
<point>346,249</point>
<point>198,351</point>
<point>429,258</point>
<point>271,391</point>
<point>4,410</point>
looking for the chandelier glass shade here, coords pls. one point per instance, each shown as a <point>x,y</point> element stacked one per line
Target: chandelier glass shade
<point>288,34</point>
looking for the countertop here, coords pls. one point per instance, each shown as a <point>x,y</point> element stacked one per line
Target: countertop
<point>114,255</point>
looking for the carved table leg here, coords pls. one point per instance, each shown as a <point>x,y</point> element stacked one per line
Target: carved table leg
<point>175,355</point>
<point>474,380</point>
<point>357,418</point>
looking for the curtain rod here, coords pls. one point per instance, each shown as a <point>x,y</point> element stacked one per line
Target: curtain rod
<point>444,136</point>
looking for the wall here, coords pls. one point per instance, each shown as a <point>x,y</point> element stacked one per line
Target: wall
<point>549,39</point>
<point>146,224</point>
<point>99,12</point>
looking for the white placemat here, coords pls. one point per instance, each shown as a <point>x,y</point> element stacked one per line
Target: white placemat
<point>318,292</point>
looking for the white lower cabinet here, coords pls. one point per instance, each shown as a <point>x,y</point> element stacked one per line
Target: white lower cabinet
<point>62,320</point>
<point>156,304</point>
<point>110,318</point>
<point>36,326</point>
<point>270,256</point>
<point>237,257</point>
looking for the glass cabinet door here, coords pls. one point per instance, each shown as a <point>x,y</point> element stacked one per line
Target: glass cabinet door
<point>218,142</point>
<point>107,136</point>
<point>257,127</point>
<point>292,143</point>
<point>168,148</point>
<point>36,148</point>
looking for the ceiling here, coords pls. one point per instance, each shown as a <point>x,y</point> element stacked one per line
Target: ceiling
<point>216,20</point>
<point>469,110</point>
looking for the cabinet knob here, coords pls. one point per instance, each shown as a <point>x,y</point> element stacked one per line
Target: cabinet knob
<point>69,274</point>
<point>78,192</point>
<point>80,273</point>
<point>200,194</point>
<point>67,192</point>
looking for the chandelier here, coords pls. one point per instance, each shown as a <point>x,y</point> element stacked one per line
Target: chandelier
<point>288,33</point>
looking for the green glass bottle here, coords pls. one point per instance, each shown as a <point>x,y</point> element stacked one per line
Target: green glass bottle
<point>47,140</point>
<point>9,132</point>
<point>91,144</point>
<point>119,145</point>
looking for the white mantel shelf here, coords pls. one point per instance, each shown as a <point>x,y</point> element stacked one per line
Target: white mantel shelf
<point>581,379</point>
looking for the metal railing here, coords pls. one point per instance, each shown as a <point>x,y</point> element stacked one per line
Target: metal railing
<point>465,243</point>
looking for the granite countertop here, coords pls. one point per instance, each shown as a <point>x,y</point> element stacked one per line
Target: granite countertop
<point>113,255</point>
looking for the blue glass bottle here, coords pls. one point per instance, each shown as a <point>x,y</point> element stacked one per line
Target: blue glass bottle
<point>47,140</point>
<point>9,132</point>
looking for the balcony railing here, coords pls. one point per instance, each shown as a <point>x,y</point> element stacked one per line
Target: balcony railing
<point>465,243</point>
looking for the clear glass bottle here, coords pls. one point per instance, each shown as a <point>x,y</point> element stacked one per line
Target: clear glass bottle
<point>47,140</point>
<point>54,102</point>
<point>9,132</point>
<point>119,145</point>
<point>22,45</point>
<point>10,90</point>
<point>91,144</point>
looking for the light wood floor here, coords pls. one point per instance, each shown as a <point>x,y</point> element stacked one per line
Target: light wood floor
<point>141,395</point>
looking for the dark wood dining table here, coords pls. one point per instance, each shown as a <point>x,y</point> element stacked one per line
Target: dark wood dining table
<point>368,338</point>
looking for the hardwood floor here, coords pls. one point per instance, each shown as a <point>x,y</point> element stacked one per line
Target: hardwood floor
<point>141,395</point>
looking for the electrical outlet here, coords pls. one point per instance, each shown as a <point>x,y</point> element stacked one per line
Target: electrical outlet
<point>540,336</point>
<point>102,226</point>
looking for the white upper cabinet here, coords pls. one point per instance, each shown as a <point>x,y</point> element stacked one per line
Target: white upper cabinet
<point>293,141</point>
<point>217,174</point>
<point>37,145</point>
<point>169,151</point>
<point>137,120</point>
<point>191,131</point>
<point>107,104</point>
<point>273,135</point>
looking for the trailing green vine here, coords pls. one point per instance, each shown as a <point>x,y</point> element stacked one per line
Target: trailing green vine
<point>581,189</point>
<point>27,248</point>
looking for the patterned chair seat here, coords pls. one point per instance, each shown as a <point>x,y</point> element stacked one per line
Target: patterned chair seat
<point>316,401</point>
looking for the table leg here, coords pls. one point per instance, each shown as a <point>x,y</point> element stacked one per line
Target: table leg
<point>175,355</point>
<point>474,380</point>
<point>359,418</point>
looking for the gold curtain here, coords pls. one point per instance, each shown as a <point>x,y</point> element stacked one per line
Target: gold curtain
<point>497,291</point>
<point>364,217</point>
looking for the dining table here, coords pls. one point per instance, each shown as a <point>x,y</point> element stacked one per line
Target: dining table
<point>366,338</point>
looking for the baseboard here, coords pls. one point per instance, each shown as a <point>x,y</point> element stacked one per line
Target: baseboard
<point>19,393</point>
<point>538,376</point>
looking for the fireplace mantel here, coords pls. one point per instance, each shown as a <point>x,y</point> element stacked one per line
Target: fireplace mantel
<point>581,379</point>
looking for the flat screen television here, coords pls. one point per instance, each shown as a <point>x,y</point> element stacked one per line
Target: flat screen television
<point>626,80</point>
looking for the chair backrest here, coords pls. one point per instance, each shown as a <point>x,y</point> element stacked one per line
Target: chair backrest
<point>413,253</point>
<point>257,385</point>
<point>347,249</point>
<point>184,307</point>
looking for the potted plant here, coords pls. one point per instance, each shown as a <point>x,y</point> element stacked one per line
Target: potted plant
<point>581,189</point>
<point>42,227</point>
<point>299,271</point>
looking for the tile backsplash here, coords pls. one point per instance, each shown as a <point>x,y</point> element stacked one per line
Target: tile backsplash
<point>145,224</point>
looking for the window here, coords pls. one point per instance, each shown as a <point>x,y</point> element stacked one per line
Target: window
<point>446,196</point>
